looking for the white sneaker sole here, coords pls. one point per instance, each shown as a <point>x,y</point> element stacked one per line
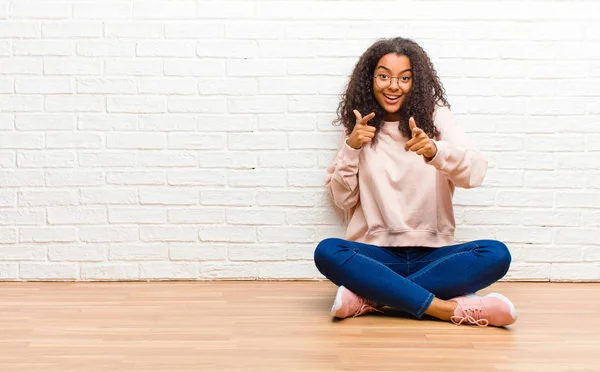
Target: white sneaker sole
<point>513,311</point>
<point>337,303</point>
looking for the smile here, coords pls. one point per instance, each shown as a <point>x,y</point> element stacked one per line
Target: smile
<point>390,98</point>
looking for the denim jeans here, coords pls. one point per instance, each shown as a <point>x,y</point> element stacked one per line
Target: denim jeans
<point>408,278</point>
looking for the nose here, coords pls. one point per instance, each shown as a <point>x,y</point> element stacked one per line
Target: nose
<point>396,85</point>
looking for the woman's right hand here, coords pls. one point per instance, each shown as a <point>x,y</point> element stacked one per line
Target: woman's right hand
<point>362,132</point>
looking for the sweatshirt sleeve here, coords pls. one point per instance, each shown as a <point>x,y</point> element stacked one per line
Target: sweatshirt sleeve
<point>457,156</point>
<point>342,181</point>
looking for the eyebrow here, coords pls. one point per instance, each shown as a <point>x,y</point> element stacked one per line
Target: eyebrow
<point>403,71</point>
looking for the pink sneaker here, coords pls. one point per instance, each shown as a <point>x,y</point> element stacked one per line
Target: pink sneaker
<point>492,309</point>
<point>349,304</point>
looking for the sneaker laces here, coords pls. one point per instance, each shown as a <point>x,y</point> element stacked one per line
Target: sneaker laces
<point>366,306</point>
<point>472,315</point>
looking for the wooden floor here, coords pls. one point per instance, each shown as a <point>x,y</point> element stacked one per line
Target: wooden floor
<point>280,326</point>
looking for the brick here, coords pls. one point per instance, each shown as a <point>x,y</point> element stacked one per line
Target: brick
<point>103,10</point>
<point>76,253</point>
<point>196,177</point>
<point>286,234</point>
<point>76,216</point>
<point>132,252</point>
<point>257,105</point>
<point>73,140</point>
<point>22,178</point>
<point>178,233</point>
<point>71,29</point>
<point>41,48</point>
<point>135,67</point>
<point>231,159</point>
<point>168,271</point>
<point>8,235</point>
<point>194,30</point>
<point>134,30</point>
<point>233,87</point>
<point>254,178</point>
<point>105,86</point>
<point>71,66</point>
<point>257,141</point>
<point>291,198</point>
<point>43,86</point>
<point>136,104</point>
<point>230,123</point>
<point>227,48</point>
<point>48,271</point>
<point>45,122</point>
<point>21,66</point>
<point>167,86</point>
<point>165,10</point>
<point>135,178</point>
<point>44,197</point>
<point>46,159</point>
<point>168,196</point>
<point>286,122</point>
<point>255,68</point>
<point>23,253</point>
<point>76,103</point>
<point>108,195</point>
<point>47,234</point>
<point>19,29</point>
<point>22,217</point>
<point>136,140</point>
<point>137,215</point>
<point>107,122</point>
<point>239,216</point>
<point>106,48</point>
<point>167,123</point>
<point>196,216</point>
<point>22,141</point>
<point>306,178</point>
<point>195,141</point>
<point>101,234</point>
<point>184,67</point>
<point>228,197</point>
<point>262,252</point>
<point>578,200</point>
<point>525,199</point>
<point>74,178</point>
<point>287,270</point>
<point>109,271</point>
<point>234,234</point>
<point>168,159</point>
<point>228,270</point>
<point>165,49</point>
<point>287,160</point>
<point>204,105</point>
<point>195,252</point>
<point>529,272</point>
<point>106,159</point>
<point>40,10</point>
<point>21,103</point>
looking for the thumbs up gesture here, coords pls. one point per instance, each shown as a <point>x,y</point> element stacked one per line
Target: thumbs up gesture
<point>362,132</point>
<point>420,142</point>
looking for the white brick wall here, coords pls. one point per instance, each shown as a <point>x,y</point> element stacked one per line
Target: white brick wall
<point>188,139</point>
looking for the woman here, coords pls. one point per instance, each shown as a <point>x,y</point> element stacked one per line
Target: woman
<point>395,176</point>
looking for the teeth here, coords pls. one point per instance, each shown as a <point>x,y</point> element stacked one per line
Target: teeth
<point>392,97</point>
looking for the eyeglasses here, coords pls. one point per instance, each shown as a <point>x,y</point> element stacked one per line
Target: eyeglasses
<point>384,80</point>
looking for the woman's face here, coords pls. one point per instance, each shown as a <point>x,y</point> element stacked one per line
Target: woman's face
<point>391,83</point>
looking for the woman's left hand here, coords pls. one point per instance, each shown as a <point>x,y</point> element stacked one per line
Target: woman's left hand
<point>420,142</point>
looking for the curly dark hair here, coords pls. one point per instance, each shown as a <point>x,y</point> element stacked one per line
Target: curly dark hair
<point>426,92</point>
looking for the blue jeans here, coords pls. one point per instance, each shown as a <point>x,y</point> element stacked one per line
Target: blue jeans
<point>408,278</point>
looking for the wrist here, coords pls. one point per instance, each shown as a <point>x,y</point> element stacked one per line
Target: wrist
<point>351,145</point>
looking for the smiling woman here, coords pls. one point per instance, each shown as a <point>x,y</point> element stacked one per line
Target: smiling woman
<point>395,177</point>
